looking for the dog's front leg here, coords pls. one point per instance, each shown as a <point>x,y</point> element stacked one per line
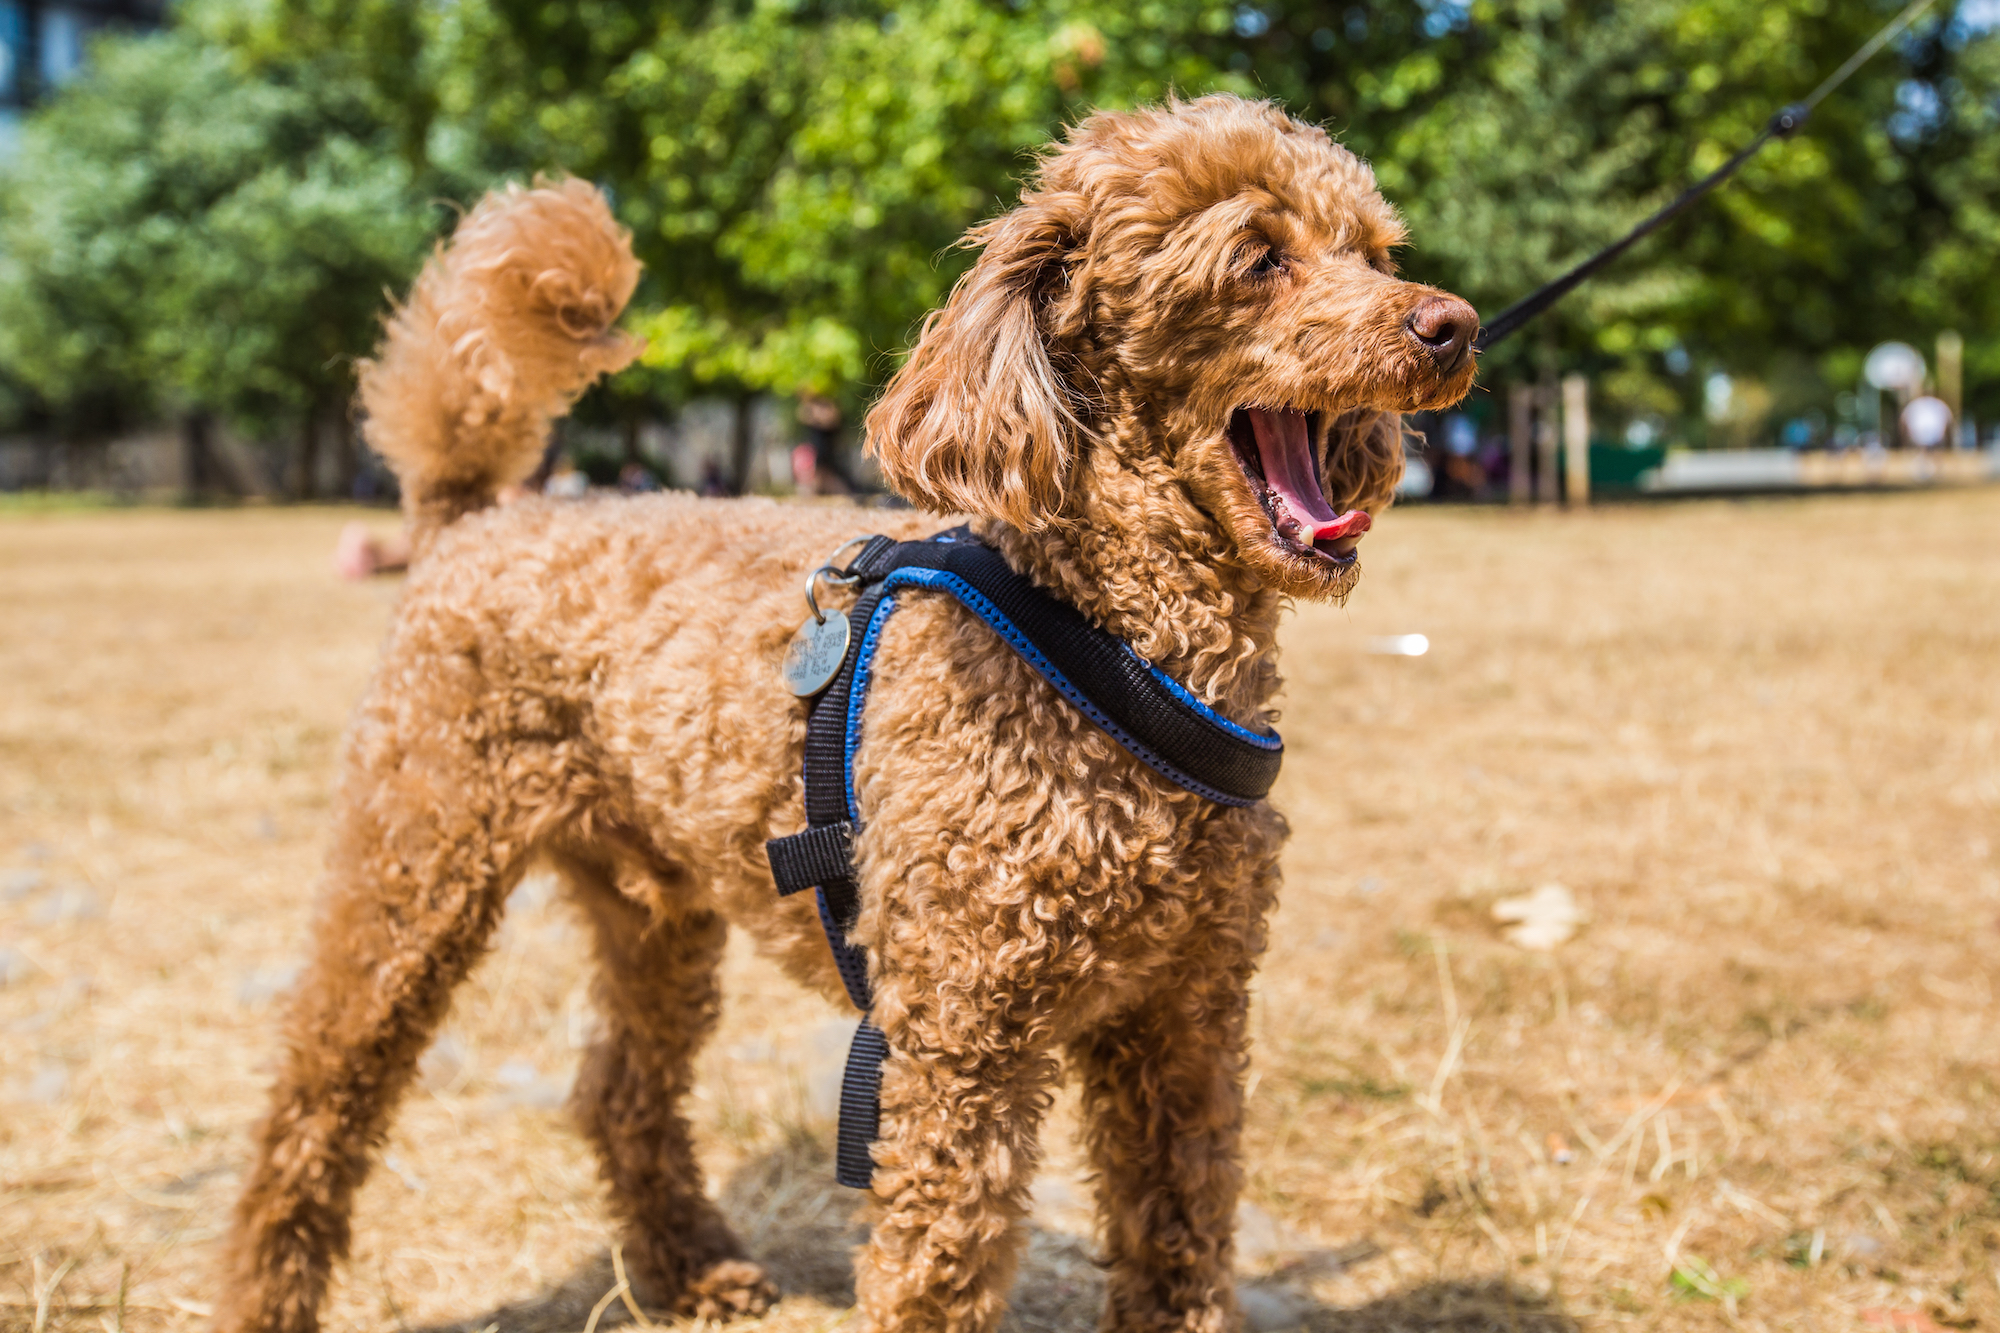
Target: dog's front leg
<point>1163,1107</point>
<point>963,1098</point>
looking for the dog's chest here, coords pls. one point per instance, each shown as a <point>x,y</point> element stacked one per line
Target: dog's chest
<point>992,806</point>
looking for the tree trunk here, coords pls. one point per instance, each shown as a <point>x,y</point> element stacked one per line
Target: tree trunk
<point>1546,441</point>
<point>1521,444</point>
<point>742,444</point>
<point>628,428</point>
<point>347,458</point>
<point>198,455</point>
<point>308,487</point>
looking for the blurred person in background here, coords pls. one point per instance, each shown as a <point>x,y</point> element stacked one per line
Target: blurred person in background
<point>816,468</point>
<point>566,481</point>
<point>711,484</point>
<point>1464,472</point>
<point>635,478</point>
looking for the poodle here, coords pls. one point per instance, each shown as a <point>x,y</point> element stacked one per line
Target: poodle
<point>1168,391</point>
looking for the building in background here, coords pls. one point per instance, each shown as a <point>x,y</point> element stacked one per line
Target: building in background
<point>43,45</point>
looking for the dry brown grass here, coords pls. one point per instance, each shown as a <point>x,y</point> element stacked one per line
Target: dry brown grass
<point>1755,740</point>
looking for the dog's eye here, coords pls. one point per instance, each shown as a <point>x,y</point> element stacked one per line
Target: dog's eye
<point>1267,263</point>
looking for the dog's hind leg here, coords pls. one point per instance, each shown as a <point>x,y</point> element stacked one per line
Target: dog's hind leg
<point>1162,1101</point>
<point>429,840</point>
<point>658,999</point>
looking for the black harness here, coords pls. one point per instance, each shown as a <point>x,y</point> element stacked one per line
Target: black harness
<point>1152,715</point>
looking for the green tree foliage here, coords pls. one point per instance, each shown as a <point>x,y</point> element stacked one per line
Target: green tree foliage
<point>176,233</point>
<point>795,172</point>
<point>1519,136</point>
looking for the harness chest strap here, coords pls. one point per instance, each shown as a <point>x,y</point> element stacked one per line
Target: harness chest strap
<point>1153,716</point>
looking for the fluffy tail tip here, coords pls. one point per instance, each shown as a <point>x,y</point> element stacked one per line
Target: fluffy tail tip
<point>508,323</point>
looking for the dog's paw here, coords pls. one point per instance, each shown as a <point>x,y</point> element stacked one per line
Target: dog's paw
<point>730,1289</point>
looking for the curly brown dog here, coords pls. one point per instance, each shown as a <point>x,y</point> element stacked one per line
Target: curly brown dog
<point>1174,367</point>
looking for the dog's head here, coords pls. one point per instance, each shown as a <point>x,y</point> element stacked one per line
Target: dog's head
<point>1202,292</point>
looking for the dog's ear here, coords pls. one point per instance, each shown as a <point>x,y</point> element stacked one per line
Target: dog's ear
<point>1364,460</point>
<point>979,420</point>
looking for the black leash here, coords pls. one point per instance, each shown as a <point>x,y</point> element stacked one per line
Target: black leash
<point>1148,712</point>
<point>1783,125</point>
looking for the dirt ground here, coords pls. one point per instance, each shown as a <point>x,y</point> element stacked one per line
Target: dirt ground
<point>1759,1087</point>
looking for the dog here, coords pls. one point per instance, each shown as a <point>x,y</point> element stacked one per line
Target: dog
<point>1168,392</point>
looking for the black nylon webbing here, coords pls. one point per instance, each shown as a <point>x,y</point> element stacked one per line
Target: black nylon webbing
<point>809,859</point>
<point>838,897</point>
<point>1117,681</point>
<point>860,1107</point>
<point>826,801</point>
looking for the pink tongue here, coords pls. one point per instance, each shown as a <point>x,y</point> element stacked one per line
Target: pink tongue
<point>1286,453</point>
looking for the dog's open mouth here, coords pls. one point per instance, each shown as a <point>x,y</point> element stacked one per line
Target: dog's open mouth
<point>1275,447</point>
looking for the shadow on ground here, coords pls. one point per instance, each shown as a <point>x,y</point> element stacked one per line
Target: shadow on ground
<point>801,1227</point>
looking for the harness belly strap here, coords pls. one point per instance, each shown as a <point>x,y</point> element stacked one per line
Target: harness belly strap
<point>1152,715</point>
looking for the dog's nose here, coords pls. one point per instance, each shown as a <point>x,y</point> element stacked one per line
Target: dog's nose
<point>1444,325</point>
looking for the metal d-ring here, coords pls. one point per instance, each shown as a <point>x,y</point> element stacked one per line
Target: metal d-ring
<point>832,571</point>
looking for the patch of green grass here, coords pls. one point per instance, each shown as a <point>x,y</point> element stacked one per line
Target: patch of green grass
<point>1359,1088</point>
<point>1695,1279</point>
<point>1805,1249</point>
<point>1623,1301</point>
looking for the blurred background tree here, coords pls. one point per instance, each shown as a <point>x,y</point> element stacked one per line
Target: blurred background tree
<point>795,174</point>
<point>179,236</point>
<point>796,171</point>
<point>1520,136</point>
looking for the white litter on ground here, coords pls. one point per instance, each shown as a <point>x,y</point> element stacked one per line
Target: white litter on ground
<point>1540,920</point>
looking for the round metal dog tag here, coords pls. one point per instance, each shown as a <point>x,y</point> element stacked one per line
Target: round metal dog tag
<point>815,653</point>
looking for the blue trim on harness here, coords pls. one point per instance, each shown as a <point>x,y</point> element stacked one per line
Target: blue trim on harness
<point>939,580</point>
<point>1262,740</point>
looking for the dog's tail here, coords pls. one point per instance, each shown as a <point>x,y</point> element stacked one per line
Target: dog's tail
<point>505,327</point>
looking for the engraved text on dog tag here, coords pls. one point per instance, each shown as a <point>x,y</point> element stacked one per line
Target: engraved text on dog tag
<point>814,655</point>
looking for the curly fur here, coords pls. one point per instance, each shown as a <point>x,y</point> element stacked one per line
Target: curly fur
<point>596,683</point>
<point>501,333</point>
